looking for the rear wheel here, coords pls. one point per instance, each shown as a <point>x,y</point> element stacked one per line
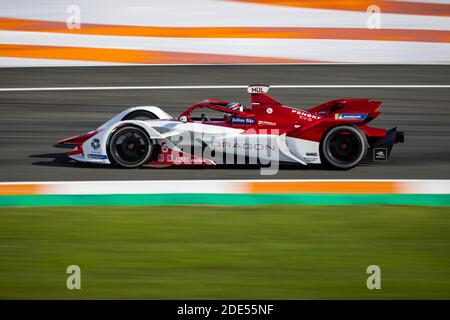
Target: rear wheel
<point>130,147</point>
<point>344,147</point>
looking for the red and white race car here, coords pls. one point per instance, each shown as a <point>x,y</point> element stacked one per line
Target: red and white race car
<point>334,133</point>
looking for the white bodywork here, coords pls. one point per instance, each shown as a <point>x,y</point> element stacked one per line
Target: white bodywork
<point>265,147</point>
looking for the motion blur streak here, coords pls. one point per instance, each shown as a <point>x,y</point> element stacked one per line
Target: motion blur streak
<point>389,6</point>
<point>324,186</point>
<point>351,187</point>
<point>223,32</point>
<point>211,252</point>
<point>21,189</point>
<point>229,32</point>
<point>129,56</point>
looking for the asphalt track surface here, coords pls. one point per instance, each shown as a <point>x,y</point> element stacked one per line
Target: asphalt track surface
<point>31,122</point>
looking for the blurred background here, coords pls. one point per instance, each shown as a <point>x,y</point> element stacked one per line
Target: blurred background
<point>84,32</point>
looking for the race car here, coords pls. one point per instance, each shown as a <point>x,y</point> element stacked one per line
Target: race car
<point>334,134</point>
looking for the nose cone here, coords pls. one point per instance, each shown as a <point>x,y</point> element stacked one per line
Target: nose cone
<point>79,139</point>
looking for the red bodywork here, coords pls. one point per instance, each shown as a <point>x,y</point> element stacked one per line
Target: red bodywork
<point>267,113</point>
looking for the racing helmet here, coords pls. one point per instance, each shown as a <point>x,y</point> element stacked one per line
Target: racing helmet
<point>235,106</point>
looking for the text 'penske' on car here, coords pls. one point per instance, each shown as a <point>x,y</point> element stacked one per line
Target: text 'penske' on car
<point>335,134</point>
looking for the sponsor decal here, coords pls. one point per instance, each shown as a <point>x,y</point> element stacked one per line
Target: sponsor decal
<point>186,160</point>
<point>95,144</point>
<point>267,123</point>
<point>303,115</point>
<point>269,110</point>
<point>242,120</point>
<point>350,116</point>
<point>236,145</point>
<point>97,156</point>
<point>380,154</point>
<point>311,156</point>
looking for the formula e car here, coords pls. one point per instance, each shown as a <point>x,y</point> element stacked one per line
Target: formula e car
<point>334,133</point>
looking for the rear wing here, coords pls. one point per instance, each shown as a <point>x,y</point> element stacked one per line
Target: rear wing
<point>368,108</point>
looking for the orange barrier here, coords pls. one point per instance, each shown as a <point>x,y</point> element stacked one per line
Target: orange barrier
<point>401,7</point>
<point>335,187</point>
<point>130,56</point>
<point>20,189</point>
<point>229,32</point>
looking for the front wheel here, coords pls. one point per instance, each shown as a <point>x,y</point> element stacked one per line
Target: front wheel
<point>140,115</point>
<point>130,147</point>
<point>343,147</point>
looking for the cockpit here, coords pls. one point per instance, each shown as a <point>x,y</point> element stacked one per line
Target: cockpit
<point>215,111</point>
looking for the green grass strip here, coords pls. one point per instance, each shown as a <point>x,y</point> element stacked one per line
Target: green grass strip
<point>224,199</point>
<point>224,252</point>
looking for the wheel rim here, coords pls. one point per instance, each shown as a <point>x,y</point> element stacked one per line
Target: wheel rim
<point>344,147</point>
<point>130,147</point>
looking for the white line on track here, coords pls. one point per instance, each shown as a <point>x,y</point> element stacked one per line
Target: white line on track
<point>300,86</point>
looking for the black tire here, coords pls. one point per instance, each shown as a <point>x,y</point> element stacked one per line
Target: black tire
<point>140,115</point>
<point>129,147</point>
<point>343,147</point>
